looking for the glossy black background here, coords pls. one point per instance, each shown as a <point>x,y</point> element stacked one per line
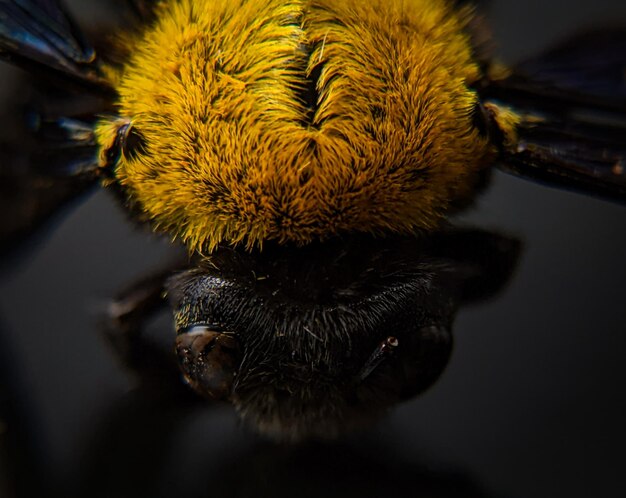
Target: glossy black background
<point>532,403</point>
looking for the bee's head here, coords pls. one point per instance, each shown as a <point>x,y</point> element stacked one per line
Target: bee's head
<point>312,341</point>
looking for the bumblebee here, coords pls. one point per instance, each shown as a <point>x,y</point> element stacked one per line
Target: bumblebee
<point>307,154</point>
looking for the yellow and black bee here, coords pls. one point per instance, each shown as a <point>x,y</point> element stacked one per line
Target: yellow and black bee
<point>307,153</point>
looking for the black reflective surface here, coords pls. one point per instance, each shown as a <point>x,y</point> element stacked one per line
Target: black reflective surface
<point>531,404</point>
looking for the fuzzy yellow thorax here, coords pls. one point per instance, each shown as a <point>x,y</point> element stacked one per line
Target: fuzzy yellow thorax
<point>297,120</point>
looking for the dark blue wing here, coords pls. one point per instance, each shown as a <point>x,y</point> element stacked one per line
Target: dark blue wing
<point>572,104</point>
<point>592,63</point>
<point>41,34</point>
<point>143,9</point>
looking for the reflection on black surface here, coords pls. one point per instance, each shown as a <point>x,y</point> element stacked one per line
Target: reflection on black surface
<point>349,470</point>
<point>136,447</point>
<point>21,469</point>
<point>133,447</point>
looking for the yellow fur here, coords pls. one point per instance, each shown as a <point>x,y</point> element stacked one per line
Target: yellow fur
<point>232,152</point>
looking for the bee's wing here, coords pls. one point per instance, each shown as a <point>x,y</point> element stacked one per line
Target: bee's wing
<point>143,9</point>
<point>54,160</point>
<point>592,63</point>
<point>40,34</point>
<point>572,108</point>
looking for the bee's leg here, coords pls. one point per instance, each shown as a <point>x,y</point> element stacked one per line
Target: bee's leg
<point>125,322</point>
<point>36,187</point>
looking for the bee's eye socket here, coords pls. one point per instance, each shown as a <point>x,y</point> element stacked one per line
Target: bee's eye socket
<point>481,120</point>
<point>128,141</point>
<point>208,359</point>
<point>133,143</point>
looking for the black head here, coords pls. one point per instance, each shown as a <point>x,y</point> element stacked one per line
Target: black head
<point>316,340</point>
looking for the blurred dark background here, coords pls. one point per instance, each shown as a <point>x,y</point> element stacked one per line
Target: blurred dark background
<point>532,403</point>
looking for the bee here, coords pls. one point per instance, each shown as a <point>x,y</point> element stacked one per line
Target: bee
<point>308,154</point>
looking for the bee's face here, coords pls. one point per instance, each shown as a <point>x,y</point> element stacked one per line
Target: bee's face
<point>311,341</point>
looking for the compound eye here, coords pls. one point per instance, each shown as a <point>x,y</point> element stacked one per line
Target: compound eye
<point>209,360</point>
